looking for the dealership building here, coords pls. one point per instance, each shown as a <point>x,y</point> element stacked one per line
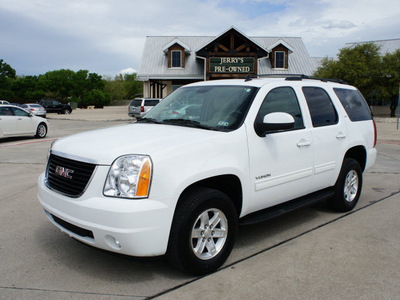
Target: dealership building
<point>169,62</point>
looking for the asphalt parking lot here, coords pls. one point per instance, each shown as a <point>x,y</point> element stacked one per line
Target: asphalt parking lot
<point>312,253</point>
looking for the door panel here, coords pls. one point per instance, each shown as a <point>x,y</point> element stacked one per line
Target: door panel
<point>281,163</point>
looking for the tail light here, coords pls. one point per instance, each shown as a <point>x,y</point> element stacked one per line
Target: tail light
<point>375,133</point>
<point>142,109</point>
<point>32,109</point>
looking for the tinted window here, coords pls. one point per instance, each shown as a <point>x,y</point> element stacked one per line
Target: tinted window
<point>136,102</point>
<point>282,99</point>
<point>354,103</point>
<point>151,102</point>
<point>320,105</point>
<point>6,111</point>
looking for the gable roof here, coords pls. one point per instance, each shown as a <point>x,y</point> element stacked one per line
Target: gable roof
<point>154,62</point>
<point>176,41</point>
<point>232,29</point>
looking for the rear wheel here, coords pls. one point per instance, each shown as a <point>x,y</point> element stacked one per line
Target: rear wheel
<point>41,130</point>
<point>203,231</point>
<point>348,186</point>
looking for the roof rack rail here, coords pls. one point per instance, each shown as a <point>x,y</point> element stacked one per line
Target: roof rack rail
<point>299,77</point>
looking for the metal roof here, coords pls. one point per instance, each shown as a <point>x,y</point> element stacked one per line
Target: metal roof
<point>387,46</point>
<point>154,63</point>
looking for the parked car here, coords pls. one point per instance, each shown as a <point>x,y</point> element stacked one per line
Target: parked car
<point>15,121</point>
<point>54,106</point>
<point>4,102</point>
<point>140,106</point>
<point>257,148</point>
<point>35,109</point>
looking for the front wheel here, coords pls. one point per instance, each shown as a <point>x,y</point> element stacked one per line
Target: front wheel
<point>203,231</point>
<point>348,186</point>
<point>41,131</point>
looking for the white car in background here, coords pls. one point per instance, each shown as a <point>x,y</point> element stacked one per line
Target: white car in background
<point>15,121</point>
<point>35,109</point>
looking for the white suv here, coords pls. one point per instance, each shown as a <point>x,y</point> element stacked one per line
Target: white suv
<point>243,151</point>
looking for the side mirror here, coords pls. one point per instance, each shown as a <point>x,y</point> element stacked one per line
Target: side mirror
<point>274,122</point>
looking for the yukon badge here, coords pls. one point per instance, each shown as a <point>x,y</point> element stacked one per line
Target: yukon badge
<point>61,171</point>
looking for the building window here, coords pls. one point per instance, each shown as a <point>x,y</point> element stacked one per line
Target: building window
<point>176,59</point>
<point>279,60</point>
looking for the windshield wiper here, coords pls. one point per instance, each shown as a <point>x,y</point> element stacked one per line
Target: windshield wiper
<point>188,123</point>
<point>148,120</point>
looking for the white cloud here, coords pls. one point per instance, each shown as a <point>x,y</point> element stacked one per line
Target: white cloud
<point>105,36</point>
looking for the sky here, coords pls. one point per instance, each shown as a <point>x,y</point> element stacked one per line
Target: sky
<point>107,36</point>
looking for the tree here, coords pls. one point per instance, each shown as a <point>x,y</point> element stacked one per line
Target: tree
<point>359,66</point>
<point>124,87</point>
<point>364,67</point>
<point>391,79</point>
<point>7,75</point>
<point>6,71</point>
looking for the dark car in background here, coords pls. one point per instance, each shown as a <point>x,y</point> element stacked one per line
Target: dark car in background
<point>54,106</point>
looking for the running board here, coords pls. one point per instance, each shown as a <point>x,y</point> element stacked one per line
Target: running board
<point>283,208</point>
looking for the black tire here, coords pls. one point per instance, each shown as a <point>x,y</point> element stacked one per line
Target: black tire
<point>41,131</point>
<point>348,186</point>
<point>66,111</point>
<point>192,235</point>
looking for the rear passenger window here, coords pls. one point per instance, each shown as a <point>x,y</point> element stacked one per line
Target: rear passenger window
<point>354,103</point>
<point>322,111</point>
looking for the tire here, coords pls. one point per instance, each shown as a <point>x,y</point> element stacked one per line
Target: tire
<point>348,186</point>
<point>203,231</point>
<point>41,131</point>
<point>66,111</point>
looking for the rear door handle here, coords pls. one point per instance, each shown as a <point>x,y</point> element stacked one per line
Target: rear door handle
<point>303,143</point>
<point>341,135</point>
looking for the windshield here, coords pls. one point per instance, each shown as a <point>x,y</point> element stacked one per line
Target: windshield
<point>210,107</point>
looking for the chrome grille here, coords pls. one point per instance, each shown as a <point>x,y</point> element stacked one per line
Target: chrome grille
<point>67,176</point>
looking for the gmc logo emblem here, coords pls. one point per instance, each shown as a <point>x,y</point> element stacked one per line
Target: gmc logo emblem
<point>61,171</point>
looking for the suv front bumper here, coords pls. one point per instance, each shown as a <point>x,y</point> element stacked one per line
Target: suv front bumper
<point>126,226</point>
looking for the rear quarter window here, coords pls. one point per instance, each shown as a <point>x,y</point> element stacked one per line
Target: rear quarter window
<point>151,102</point>
<point>136,102</point>
<point>354,103</point>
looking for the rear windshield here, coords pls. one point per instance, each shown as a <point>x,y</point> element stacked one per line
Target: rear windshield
<point>136,102</point>
<point>151,102</point>
<point>35,105</point>
<point>354,103</point>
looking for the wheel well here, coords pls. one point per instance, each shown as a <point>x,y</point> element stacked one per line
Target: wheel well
<point>359,154</point>
<point>228,184</point>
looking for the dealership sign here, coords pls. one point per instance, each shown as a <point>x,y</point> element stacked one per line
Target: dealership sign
<point>232,65</point>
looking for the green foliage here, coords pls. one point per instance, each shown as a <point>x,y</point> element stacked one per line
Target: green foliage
<point>81,87</point>
<point>123,87</point>
<point>376,76</point>
<point>97,98</point>
<point>6,71</point>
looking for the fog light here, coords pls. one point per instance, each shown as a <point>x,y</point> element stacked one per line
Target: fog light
<point>113,242</point>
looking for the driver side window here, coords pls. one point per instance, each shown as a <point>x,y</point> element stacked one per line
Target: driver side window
<point>282,99</point>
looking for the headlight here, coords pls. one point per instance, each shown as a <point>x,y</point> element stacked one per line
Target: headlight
<point>129,177</point>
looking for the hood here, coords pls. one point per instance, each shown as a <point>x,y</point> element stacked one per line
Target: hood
<point>103,146</point>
